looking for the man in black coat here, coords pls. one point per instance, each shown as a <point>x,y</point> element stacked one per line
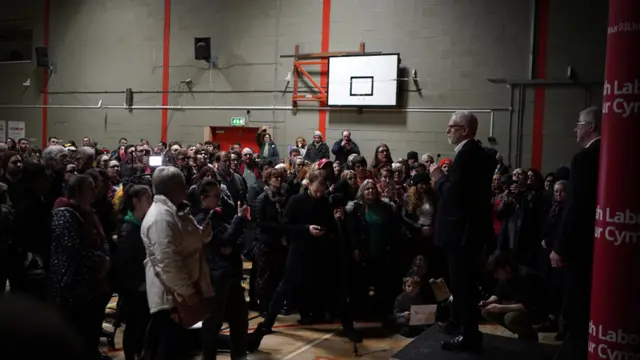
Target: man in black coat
<point>463,223</point>
<point>344,147</point>
<point>317,150</point>
<point>573,248</point>
<point>310,220</point>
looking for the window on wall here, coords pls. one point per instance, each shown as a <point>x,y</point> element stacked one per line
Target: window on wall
<point>16,41</point>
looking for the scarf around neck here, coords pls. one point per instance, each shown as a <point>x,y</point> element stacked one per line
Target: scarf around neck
<point>130,218</point>
<point>276,197</point>
<point>556,207</point>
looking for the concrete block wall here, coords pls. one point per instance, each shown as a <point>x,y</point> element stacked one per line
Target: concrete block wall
<point>455,45</point>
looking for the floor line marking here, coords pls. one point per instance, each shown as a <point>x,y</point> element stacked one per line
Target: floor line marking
<point>309,346</point>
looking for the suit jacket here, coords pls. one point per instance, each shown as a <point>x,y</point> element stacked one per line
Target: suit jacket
<point>463,219</point>
<point>575,238</point>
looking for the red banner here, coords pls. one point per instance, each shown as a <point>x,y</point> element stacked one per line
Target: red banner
<point>614,330</point>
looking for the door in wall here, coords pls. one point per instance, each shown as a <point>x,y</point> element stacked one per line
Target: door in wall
<point>229,135</point>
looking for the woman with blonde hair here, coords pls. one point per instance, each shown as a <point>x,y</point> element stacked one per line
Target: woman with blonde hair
<point>420,210</point>
<point>301,144</point>
<point>419,220</point>
<point>373,225</point>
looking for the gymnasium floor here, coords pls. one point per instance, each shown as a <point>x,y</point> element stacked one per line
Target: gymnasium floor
<point>321,342</point>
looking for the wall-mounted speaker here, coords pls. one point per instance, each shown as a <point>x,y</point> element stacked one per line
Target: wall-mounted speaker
<point>42,56</point>
<point>202,48</point>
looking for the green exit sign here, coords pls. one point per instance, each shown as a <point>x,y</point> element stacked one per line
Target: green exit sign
<point>238,121</point>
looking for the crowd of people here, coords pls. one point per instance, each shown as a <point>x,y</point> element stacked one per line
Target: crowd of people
<point>168,227</point>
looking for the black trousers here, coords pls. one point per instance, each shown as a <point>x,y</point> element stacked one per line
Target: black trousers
<point>377,274</point>
<point>165,337</point>
<point>578,297</point>
<point>136,318</point>
<point>228,304</point>
<point>269,262</point>
<point>313,299</point>
<point>86,318</point>
<point>464,269</point>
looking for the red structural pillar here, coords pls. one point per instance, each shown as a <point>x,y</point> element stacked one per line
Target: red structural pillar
<point>614,330</point>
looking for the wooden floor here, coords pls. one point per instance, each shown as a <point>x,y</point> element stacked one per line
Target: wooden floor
<point>322,342</point>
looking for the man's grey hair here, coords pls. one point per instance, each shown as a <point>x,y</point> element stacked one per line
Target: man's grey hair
<point>50,153</point>
<point>593,116</point>
<point>86,151</point>
<point>426,156</point>
<point>563,183</point>
<point>467,118</point>
<point>165,178</point>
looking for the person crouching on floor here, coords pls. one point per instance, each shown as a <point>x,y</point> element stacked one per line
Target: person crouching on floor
<point>402,308</point>
<point>518,302</point>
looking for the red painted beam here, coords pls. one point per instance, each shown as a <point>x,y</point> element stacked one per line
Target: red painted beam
<point>540,72</point>
<point>324,68</point>
<point>45,74</point>
<point>165,69</point>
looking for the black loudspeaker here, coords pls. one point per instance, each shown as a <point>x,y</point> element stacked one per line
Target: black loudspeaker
<point>202,48</point>
<point>42,56</point>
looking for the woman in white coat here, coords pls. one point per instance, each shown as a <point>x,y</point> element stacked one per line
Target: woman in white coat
<point>175,263</point>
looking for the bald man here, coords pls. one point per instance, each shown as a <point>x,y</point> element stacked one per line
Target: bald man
<point>463,224</point>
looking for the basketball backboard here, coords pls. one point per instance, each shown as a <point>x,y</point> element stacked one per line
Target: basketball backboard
<point>363,80</point>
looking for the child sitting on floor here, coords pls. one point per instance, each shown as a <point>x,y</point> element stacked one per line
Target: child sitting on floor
<point>402,308</point>
<point>437,293</point>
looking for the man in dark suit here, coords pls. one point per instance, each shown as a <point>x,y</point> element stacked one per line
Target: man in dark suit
<point>573,248</point>
<point>463,223</point>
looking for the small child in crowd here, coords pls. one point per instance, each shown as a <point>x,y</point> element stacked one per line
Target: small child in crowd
<point>402,308</point>
<point>436,293</point>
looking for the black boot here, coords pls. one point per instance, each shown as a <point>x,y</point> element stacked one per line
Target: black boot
<point>254,339</point>
<point>450,328</point>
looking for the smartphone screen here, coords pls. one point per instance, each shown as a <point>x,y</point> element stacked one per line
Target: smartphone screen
<point>155,161</point>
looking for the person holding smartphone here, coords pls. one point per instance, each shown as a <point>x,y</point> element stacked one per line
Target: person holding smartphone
<point>311,222</point>
<point>521,213</point>
<point>519,300</point>
<point>225,263</point>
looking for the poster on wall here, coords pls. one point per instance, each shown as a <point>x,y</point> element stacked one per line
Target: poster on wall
<point>3,131</point>
<point>16,130</point>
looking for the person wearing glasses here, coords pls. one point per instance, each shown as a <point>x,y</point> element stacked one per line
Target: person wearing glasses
<point>463,224</point>
<point>573,247</point>
<point>248,168</point>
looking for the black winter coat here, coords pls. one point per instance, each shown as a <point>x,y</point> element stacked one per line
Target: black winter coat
<point>131,255</point>
<point>224,235</point>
